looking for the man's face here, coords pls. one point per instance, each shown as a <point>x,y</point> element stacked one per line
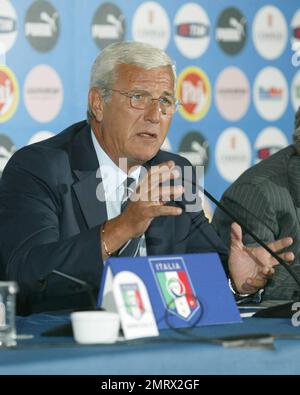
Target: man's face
<point>132,133</point>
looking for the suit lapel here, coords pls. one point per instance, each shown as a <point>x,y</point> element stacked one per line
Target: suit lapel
<point>88,188</point>
<point>90,194</point>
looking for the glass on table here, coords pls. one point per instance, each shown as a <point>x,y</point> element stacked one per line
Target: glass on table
<point>8,291</point>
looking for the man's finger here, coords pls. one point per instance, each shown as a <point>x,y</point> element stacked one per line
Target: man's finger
<point>161,210</point>
<point>252,285</point>
<point>168,193</point>
<point>278,245</point>
<point>285,256</point>
<point>268,272</point>
<point>236,232</point>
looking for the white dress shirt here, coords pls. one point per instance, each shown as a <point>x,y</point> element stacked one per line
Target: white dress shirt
<point>113,179</point>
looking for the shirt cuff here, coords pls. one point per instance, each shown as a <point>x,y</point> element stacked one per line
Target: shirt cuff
<point>236,293</point>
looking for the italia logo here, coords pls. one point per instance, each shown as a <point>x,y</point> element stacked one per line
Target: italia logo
<point>175,286</point>
<point>132,300</point>
<point>194,93</point>
<point>9,93</point>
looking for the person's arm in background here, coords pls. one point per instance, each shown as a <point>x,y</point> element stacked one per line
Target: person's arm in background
<point>249,205</point>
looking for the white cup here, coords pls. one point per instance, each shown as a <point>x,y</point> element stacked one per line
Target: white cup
<point>91,327</point>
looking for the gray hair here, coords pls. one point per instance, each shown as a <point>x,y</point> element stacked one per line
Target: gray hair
<point>104,70</point>
<point>296,134</point>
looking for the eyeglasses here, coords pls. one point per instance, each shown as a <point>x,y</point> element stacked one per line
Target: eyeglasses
<point>140,100</point>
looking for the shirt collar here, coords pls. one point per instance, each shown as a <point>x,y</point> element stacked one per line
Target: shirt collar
<point>112,176</point>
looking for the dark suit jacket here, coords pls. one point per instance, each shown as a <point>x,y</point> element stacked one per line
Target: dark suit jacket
<point>50,219</point>
<point>266,198</point>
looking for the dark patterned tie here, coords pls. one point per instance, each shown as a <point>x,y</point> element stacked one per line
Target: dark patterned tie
<point>131,248</point>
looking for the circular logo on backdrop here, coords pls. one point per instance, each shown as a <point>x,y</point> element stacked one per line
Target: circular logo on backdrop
<point>108,25</point>
<point>295,34</point>
<point>40,136</point>
<point>295,91</point>
<point>9,93</point>
<point>151,25</point>
<point>232,93</point>
<point>8,26</point>
<point>194,147</point>
<point>269,141</point>
<point>42,25</point>
<point>7,149</point>
<point>194,93</point>
<point>233,153</point>
<point>192,30</point>
<point>43,93</point>
<point>231,31</point>
<point>270,93</point>
<point>269,32</point>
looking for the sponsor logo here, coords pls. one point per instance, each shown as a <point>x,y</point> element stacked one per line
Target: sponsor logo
<point>270,93</point>
<point>232,93</point>
<point>42,26</point>
<point>233,153</point>
<point>194,93</point>
<point>8,26</point>
<point>192,30</point>
<point>175,286</point>
<point>295,91</point>
<point>295,31</point>
<point>269,32</point>
<point>151,25</point>
<point>132,300</point>
<point>9,93</point>
<point>269,141</point>
<point>194,147</point>
<point>295,39</point>
<point>43,93</point>
<point>108,25</point>
<point>7,149</point>
<point>231,31</point>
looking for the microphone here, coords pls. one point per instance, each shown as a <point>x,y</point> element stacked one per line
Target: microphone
<point>85,286</point>
<point>66,329</point>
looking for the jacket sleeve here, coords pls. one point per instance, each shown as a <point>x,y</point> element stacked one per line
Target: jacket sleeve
<point>30,243</point>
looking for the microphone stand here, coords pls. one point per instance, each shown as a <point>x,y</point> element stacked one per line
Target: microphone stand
<point>83,284</point>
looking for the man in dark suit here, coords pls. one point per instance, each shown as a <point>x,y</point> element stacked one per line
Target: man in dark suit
<point>60,213</point>
<point>266,198</point>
